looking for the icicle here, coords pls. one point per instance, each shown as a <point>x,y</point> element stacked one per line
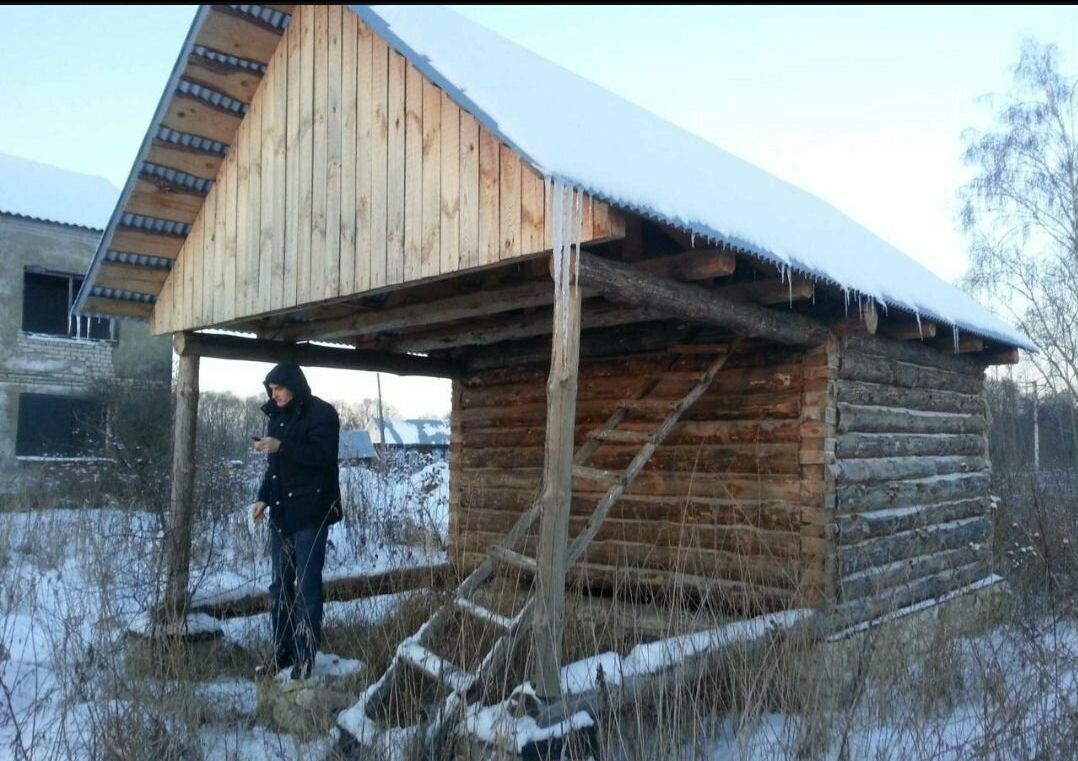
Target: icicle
<point>954,329</point>
<point>920,330</point>
<point>692,239</point>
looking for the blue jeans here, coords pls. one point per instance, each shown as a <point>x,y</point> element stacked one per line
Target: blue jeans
<point>296,593</point>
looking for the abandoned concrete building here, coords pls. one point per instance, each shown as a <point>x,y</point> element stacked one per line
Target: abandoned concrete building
<point>55,366</point>
<point>671,370</point>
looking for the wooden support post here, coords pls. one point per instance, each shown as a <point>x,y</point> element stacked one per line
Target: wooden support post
<point>557,489</point>
<point>178,537</point>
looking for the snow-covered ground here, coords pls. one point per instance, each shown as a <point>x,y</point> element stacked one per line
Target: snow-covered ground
<point>72,581</point>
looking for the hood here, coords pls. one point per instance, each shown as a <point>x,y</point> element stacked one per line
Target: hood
<point>289,375</point>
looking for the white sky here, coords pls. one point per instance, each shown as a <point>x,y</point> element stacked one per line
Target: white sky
<point>864,107</point>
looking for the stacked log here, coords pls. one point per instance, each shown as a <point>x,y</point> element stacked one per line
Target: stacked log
<point>910,475</point>
<point>723,501</point>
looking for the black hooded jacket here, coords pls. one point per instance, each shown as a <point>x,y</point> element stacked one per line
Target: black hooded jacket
<point>301,484</point>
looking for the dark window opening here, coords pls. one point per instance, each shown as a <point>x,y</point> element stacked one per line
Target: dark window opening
<point>60,426</point>
<point>47,299</point>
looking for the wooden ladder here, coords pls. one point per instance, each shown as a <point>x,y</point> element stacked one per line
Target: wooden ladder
<point>457,683</point>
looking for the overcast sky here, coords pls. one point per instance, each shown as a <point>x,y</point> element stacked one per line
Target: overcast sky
<point>864,107</point>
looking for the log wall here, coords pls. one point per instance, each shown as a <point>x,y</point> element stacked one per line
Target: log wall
<point>910,475</point>
<point>732,501</point>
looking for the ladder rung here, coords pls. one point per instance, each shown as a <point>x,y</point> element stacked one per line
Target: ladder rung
<point>649,405</point>
<point>626,437</point>
<point>605,477</point>
<point>514,558</point>
<point>483,613</point>
<point>436,667</point>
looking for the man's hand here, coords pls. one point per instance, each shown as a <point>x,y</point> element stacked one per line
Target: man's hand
<point>268,444</point>
<point>258,511</point>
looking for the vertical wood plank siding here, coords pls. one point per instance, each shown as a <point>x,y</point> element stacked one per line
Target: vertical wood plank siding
<point>352,172</point>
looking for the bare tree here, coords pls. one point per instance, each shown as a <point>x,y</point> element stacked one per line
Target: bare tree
<point>1021,213</point>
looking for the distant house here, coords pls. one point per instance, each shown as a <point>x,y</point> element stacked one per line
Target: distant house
<point>54,365</point>
<point>425,436</point>
<point>355,447</point>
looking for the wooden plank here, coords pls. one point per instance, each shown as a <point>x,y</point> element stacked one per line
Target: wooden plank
<point>430,244</point>
<point>128,277</point>
<point>237,83</point>
<point>235,34</point>
<point>187,114</point>
<point>510,200</point>
<point>281,67</point>
<point>252,215</point>
<point>308,129</point>
<point>380,164</point>
<point>872,419</point>
<point>195,252</point>
<point>190,255</point>
<point>531,211</point>
<point>193,162</point>
<point>271,134</point>
<point>155,198</point>
<point>469,192</point>
<point>349,116</point>
<point>152,244</point>
<point>318,264</point>
<point>237,304</point>
<point>907,444</point>
<point>225,253</point>
<point>449,154</point>
<point>208,255</point>
<point>413,173</point>
<point>364,158</point>
<point>489,201</point>
<point>331,266</point>
<point>296,92</point>
<point>396,170</point>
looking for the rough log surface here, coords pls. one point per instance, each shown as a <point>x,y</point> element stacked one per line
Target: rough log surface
<point>910,475</point>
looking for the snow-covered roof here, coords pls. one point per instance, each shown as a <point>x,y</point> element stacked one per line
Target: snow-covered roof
<point>46,192</point>
<point>574,130</point>
<point>355,445</point>
<point>412,432</point>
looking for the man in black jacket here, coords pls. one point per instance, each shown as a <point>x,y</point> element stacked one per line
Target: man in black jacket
<point>301,488</point>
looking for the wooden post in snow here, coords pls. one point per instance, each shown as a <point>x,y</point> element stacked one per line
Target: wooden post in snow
<point>557,488</point>
<point>178,537</point>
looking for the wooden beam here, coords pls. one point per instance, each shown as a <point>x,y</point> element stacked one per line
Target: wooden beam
<point>626,284</point>
<point>699,264</point>
<point>768,291</point>
<point>479,304</point>
<point>1001,357</point>
<point>518,327</point>
<point>178,540</point>
<point>557,489</point>
<point>632,340</point>
<point>234,81</point>
<point>256,350</point>
<point>902,329</point>
<point>966,344</point>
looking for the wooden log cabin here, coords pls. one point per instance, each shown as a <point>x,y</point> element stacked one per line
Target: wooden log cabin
<point>780,409</point>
